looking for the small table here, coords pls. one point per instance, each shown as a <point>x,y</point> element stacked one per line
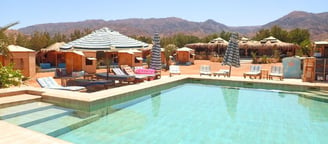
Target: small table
<point>65,79</point>
<point>89,76</point>
<point>264,74</point>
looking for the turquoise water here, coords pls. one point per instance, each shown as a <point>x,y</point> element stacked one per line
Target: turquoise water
<point>196,113</point>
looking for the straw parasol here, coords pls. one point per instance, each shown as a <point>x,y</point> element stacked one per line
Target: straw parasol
<point>54,47</point>
<point>231,57</point>
<point>155,62</point>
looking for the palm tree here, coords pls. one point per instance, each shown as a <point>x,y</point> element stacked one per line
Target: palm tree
<point>168,51</point>
<point>4,41</point>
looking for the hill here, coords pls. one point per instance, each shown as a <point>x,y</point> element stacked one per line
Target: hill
<point>317,24</point>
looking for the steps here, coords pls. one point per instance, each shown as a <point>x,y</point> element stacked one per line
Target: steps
<point>45,117</point>
<point>6,101</point>
<point>63,124</point>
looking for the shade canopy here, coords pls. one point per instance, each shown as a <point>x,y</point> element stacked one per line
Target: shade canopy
<point>155,62</point>
<point>54,47</point>
<point>16,48</point>
<point>184,49</point>
<point>104,39</point>
<point>231,56</point>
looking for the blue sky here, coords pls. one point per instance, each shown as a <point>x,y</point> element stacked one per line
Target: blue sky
<point>228,12</point>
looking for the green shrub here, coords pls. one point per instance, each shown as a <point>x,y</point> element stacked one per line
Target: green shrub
<point>9,76</point>
<point>254,58</point>
<point>264,59</point>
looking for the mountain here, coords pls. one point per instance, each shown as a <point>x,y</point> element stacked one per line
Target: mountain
<point>317,24</point>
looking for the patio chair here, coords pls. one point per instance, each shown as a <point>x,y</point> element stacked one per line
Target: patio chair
<point>222,72</point>
<point>128,70</point>
<point>255,70</point>
<point>49,82</point>
<point>174,70</point>
<point>276,71</point>
<point>91,83</point>
<point>131,78</point>
<point>205,70</point>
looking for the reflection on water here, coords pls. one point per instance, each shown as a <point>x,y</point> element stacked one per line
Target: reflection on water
<point>230,96</point>
<point>316,109</point>
<point>156,102</point>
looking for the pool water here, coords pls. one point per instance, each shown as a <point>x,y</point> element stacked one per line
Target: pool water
<point>197,113</point>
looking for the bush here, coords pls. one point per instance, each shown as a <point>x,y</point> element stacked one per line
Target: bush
<point>216,59</point>
<point>9,76</point>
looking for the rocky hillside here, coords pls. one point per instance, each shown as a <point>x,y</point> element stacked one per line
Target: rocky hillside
<point>316,23</point>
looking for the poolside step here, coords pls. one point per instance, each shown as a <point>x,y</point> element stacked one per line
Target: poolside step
<point>62,125</point>
<point>40,116</point>
<point>7,101</point>
<point>13,111</point>
<point>321,92</point>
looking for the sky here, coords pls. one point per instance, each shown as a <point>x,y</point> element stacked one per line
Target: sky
<point>228,12</point>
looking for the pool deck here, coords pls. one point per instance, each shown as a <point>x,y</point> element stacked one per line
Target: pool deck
<point>14,134</point>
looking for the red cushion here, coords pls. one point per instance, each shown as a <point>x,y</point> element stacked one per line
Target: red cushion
<point>145,71</point>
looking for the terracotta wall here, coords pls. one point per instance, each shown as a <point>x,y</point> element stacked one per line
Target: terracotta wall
<point>90,68</point>
<point>73,62</point>
<point>24,61</point>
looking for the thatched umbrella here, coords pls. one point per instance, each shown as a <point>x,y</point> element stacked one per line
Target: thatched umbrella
<point>55,47</point>
<point>156,61</point>
<point>231,57</point>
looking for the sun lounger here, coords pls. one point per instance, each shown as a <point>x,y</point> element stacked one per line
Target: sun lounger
<point>276,71</point>
<point>222,72</point>
<point>255,70</point>
<point>128,70</point>
<point>119,72</point>
<point>174,70</point>
<point>205,70</point>
<point>90,83</point>
<point>119,78</point>
<point>49,82</point>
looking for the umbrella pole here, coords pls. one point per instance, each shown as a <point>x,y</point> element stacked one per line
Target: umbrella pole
<point>229,71</point>
<point>107,65</point>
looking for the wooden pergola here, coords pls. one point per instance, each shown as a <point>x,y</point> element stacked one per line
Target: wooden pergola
<point>246,47</point>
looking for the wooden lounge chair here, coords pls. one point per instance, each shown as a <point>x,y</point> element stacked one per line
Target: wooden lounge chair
<point>49,82</point>
<point>89,84</point>
<point>119,72</point>
<point>222,72</point>
<point>114,77</point>
<point>255,70</point>
<point>128,70</point>
<point>174,70</point>
<point>276,71</point>
<point>205,70</point>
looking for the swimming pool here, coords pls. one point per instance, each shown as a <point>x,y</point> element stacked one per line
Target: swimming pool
<point>198,113</point>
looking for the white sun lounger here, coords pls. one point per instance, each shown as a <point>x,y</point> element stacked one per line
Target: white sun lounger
<point>49,82</point>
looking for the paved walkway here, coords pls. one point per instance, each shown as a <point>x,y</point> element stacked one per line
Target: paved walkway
<point>186,70</point>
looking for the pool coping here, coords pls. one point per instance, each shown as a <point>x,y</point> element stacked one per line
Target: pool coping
<point>93,100</point>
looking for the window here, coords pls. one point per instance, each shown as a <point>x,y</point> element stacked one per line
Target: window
<point>88,61</point>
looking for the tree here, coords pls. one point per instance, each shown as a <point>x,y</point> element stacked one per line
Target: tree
<point>298,35</point>
<point>306,46</point>
<point>4,40</point>
<point>208,38</point>
<point>168,51</point>
<point>225,35</point>
<point>39,40</point>
<point>261,34</point>
<point>279,33</point>
<point>22,40</point>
